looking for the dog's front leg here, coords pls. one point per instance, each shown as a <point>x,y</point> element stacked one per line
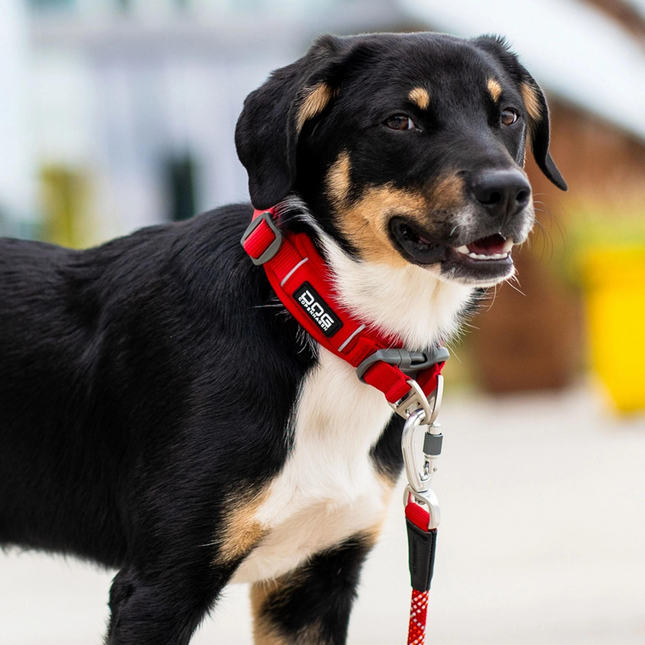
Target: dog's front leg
<point>162,608</point>
<point>311,605</point>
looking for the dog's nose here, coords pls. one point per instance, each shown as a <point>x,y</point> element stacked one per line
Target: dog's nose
<point>503,193</point>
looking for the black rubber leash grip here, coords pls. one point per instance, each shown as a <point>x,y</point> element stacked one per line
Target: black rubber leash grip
<point>421,548</point>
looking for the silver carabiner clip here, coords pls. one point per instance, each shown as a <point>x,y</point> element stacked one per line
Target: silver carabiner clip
<point>419,478</point>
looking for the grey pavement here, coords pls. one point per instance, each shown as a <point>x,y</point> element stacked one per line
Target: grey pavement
<point>541,542</point>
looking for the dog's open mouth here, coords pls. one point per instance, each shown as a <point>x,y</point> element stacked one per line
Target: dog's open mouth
<point>482,260</point>
<point>485,249</point>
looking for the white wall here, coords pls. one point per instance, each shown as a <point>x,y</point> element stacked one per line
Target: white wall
<point>148,109</point>
<point>17,186</point>
<point>117,96</point>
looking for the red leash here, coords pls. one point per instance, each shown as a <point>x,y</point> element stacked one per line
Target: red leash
<point>410,381</point>
<point>419,603</point>
<point>420,537</point>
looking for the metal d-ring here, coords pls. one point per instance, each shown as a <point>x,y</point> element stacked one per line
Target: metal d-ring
<point>427,499</point>
<point>416,399</point>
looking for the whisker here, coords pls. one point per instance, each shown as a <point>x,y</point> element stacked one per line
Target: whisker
<point>492,302</point>
<point>553,218</point>
<point>516,278</point>
<point>454,353</point>
<point>548,241</point>
<point>512,286</point>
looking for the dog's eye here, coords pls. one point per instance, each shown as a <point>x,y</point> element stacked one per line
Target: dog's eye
<point>509,116</point>
<point>400,122</point>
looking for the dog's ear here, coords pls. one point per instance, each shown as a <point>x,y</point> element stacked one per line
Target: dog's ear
<point>539,128</point>
<point>266,136</point>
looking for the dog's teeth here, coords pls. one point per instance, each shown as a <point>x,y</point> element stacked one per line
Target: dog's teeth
<point>508,245</point>
<point>494,256</point>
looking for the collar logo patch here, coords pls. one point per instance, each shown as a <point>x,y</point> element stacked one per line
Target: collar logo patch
<point>317,309</point>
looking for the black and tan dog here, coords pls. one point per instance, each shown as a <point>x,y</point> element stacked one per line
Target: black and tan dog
<point>160,413</point>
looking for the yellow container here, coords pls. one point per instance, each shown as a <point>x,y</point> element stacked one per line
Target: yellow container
<point>65,205</point>
<point>615,281</point>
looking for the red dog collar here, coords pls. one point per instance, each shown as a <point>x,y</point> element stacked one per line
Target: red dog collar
<point>303,282</point>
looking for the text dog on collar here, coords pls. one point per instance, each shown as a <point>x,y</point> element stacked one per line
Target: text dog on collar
<point>161,416</point>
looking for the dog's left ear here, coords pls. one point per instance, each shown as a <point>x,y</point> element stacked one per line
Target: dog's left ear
<point>266,135</point>
<point>539,128</point>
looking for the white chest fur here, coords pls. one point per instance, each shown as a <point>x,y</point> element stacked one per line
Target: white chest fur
<point>328,489</point>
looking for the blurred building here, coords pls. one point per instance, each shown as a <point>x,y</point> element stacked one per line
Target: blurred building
<point>17,167</point>
<point>144,95</point>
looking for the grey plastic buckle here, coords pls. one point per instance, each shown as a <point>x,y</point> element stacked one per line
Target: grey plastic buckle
<point>274,247</point>
<point>410,363</point>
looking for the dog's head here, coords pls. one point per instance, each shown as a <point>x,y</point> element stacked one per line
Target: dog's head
<point>407,149</point>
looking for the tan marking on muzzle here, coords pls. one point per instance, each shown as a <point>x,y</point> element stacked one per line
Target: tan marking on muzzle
<point>241,532</point>
<point>531,101</point>
<point>365,222</point>
<point>420,96</point>
<point>494,89</point>
<point>448,193</point>
<point>315,101</point>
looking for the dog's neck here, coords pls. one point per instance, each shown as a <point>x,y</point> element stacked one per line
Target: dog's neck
<point>410,302</point>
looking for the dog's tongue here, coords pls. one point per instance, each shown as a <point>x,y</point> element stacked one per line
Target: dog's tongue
<point>488,245</point>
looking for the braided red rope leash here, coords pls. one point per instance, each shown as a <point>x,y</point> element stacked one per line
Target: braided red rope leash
<point>418,617</point>
<point>422,567</point>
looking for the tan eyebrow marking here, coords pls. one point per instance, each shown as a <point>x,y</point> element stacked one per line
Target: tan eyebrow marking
<point>531,101</point>
<point>420,96</point>
<point>314,103</point>
<point>494,88</point>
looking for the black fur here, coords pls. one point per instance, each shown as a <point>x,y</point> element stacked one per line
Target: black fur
<point>313,604</point>
<point>146,380</point>
<point>124,368</point>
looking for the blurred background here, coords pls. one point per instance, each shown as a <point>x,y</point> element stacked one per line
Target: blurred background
<point>117,114</point>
